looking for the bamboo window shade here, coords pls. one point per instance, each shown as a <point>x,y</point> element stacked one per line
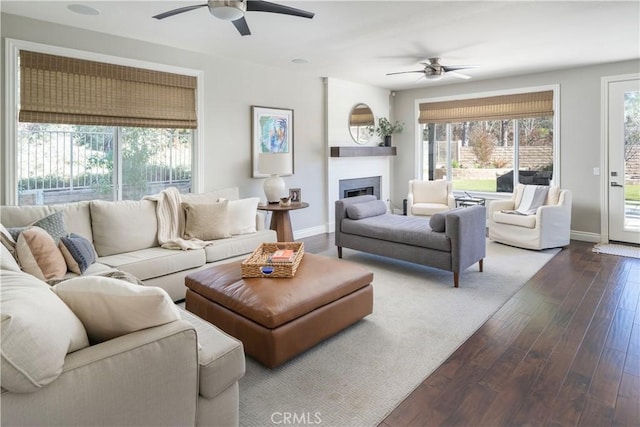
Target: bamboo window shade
<point>57,89</point>
<point>504,107</point>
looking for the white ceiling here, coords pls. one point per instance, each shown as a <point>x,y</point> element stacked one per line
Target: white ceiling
<point>362,41</point>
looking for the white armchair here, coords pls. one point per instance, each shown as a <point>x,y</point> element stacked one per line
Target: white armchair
<point>426,198</point>
<point>550,227</point>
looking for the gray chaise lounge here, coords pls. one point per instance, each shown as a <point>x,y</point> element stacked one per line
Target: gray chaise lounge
<point>452,240</point>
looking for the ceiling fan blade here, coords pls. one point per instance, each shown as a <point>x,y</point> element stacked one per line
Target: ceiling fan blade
<point>179,10</point>
<point>242,26</point>
<point>458,75</point>
<point>265,6</point>
<point>457,67</point>
<point>405,72</point>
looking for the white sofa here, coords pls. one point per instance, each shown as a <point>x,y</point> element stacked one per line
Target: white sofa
<point>124,235</point>
<point>426,198</point>
<point>181,373</point>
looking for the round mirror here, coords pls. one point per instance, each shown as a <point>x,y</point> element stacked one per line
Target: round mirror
<point>360,117</point>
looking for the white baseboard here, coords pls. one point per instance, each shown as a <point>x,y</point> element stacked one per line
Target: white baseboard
<point>308,232</point>
<point>583,236</point>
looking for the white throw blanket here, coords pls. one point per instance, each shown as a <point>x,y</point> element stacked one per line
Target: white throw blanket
<point>533,197</point>
<point>171,221</point>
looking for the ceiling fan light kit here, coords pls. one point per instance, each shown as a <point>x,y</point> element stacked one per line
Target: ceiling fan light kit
<point>234,11</point>
<point>228,11</point>
<point>433,70</point>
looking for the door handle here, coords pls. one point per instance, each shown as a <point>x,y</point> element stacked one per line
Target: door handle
<point>615,184</point>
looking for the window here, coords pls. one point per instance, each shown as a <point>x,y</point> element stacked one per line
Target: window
<point>64,163</point>
<point>87,130</point>
<point>511,140</point>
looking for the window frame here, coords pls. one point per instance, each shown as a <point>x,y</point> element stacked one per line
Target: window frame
<point>419,155</point>
<point>12,102</point>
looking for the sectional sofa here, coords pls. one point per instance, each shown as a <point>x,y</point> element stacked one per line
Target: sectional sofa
<point>125,237</point>
<point>134,359</point>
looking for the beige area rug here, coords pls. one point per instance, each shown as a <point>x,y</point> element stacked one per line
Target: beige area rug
<point>359,376</point>
<point>617,249</point>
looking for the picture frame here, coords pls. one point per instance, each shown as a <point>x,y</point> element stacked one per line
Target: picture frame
<point>295,194</point>
<point>271,132</point>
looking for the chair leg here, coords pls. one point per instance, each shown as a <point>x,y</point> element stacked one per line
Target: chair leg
<point>339,251</point>
<point>456,277</point>
<point>480,264</point>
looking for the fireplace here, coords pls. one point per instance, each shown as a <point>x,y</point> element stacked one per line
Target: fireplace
<point>359,187</point>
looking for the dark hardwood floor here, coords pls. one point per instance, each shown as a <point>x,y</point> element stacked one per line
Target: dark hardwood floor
<point>563,351</point>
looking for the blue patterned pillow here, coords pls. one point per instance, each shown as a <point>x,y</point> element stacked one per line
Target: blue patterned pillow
<point>78,252</point>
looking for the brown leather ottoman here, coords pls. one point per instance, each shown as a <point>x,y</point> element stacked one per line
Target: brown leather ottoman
<point>277,319</point>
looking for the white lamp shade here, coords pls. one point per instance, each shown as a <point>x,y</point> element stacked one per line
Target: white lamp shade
<point>275,163</point>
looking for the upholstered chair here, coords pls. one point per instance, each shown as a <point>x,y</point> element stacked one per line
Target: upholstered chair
<point>426,198</point>
<point>549,227</point>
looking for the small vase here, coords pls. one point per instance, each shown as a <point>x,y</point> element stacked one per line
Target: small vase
<point>387,140</point>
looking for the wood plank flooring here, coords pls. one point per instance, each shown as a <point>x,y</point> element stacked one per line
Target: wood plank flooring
<point>563,351</point>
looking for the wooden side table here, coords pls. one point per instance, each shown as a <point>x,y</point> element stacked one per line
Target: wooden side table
<point>280,220</point>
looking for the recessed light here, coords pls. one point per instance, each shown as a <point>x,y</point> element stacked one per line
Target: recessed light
<point>300,61</point>
<point>83,9</point>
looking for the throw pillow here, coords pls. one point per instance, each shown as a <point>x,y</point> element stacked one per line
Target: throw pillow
<point>242,215</point>
<point>438,221</point>
<point>39,255</point>
<point>38,330</point>
<point>78,252</point>
<point>8,241</point>
<point>206,221</point>
<point>367,209</point>
<point>52,224</point>
<point>109,308</point>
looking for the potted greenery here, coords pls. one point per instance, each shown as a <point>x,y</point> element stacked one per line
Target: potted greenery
<point>385,129</point>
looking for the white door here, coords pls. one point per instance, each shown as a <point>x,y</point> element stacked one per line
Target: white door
<point>623,123</point>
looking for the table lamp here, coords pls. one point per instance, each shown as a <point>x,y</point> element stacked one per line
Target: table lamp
<point>274,165</point>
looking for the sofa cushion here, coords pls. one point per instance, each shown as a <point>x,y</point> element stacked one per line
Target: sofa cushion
<point>242,215</point>
<point>8,241</point>
<point>7,261</point>
<point>239,245</point>
<point>123,226</point>
<point>430,191</point>
<point>221,357</point>
<point>428,209</point>
<point>78,252</point>
<point>366,209</point>
<point>109,308</point>
<point>231,193</point>
<point>38,330</point>
<point>206,221</point>
<point>400,229</point>
<point>154,262</point>
<point>39,255</point>
<point>528,221</point>
<point>77,218</point>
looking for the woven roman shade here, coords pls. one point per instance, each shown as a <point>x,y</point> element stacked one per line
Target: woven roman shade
<point>56,89</point>
<point>517,106</point>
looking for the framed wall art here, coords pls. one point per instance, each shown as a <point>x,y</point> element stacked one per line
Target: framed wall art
<point>271,132</point>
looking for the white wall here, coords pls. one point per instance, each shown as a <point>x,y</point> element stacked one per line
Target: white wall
<point>580,134</point>
<point>342,96</point>
<point>230,88</point>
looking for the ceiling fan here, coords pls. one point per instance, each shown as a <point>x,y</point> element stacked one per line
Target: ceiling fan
<point>234,10</point>
<point>433,70</point>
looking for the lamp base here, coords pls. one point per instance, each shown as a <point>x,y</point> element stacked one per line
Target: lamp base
<point>274,188</point>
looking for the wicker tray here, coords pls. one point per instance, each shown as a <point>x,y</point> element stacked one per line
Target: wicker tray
<point>258,265</point>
